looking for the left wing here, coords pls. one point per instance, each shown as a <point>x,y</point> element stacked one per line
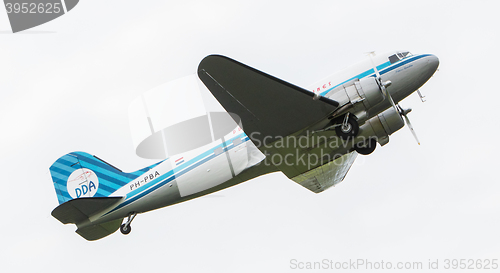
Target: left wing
<point>268,107</point>
<point>277,116</point>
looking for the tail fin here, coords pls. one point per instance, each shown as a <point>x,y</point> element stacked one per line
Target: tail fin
<point>80,174</point>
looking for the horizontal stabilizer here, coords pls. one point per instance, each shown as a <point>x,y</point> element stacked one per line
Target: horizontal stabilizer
<point>96,232</point>
<point>78,210</point>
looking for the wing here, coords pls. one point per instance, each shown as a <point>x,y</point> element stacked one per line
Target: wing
<point>268,107</point>
<point>279,118</point>
<point>327,175</point>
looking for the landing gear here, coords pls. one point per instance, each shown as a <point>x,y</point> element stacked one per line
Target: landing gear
<point>349,128</point>
<point>126,228</point>
<point>367,147</point>
<point>346,127</point>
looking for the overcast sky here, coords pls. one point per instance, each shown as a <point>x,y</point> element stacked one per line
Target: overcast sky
<point>66,86</point>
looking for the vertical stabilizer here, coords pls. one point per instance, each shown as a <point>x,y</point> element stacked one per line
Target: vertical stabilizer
<point>80,174</point>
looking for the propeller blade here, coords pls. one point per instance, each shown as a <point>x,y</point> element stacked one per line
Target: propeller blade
<point>411,129</point>
<point>384,90</point>
<point>381,84</point>
<point>404,113</point>
<point>388,95</point>
<point>373,64</point>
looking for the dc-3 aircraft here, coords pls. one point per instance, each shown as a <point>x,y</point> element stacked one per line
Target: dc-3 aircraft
<point>313,137</point>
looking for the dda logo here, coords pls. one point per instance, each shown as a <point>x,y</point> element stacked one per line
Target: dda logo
<point>25,14</point>
<point>82,183</point>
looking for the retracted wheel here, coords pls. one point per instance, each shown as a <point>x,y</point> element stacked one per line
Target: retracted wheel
<point>125,229</point>
<point>367,147</point>
<point>349,128</point>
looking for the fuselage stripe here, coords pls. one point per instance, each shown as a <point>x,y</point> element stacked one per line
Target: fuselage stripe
<point>173,174</point>
<point>383,68</point>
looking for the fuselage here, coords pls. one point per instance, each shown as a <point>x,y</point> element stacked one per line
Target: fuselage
<point>407,74</point>
<point>178,177</point>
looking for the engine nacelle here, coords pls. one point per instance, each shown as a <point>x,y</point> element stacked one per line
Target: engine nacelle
<point>369,89</point>
<point>382,126</point>
<point>361,95</point>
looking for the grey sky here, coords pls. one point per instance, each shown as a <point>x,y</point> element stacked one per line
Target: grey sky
<point>66,86</point>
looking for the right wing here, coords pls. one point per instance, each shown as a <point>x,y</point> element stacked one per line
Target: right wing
<point>327,175</point>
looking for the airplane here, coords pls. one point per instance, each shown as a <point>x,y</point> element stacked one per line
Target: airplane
<point>311,135</point>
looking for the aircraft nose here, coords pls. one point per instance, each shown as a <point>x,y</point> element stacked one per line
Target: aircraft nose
<point>432,64</point>
<point>423,69</point>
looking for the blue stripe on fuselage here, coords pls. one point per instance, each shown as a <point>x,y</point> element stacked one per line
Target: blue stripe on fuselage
<point>383,68</point>
<point>179,171</point>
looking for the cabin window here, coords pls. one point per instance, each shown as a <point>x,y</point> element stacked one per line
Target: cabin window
<point>236,141</point>
<point>218,151</point>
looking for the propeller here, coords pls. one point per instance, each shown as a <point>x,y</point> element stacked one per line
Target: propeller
<point>383,88</point>
<point>383,85</point>
<point>403,113</point>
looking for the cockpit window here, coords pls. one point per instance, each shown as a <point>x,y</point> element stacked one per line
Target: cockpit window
<point>393,59</point>
<point>399,56</point>
<point>403,55</point>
